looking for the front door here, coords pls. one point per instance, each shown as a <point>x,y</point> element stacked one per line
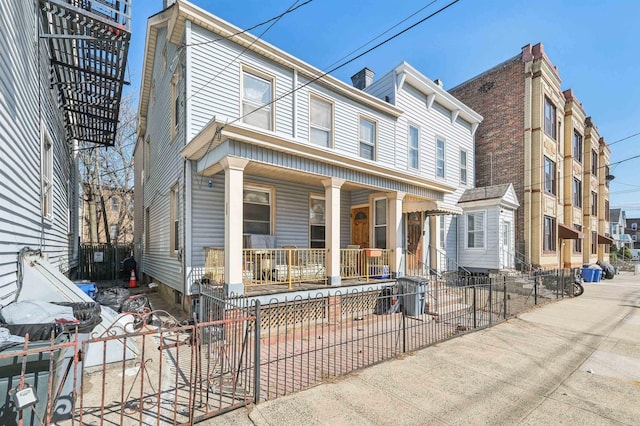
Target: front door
<point>360,227</point>
<point>414,243</point>
<point>507,257</point>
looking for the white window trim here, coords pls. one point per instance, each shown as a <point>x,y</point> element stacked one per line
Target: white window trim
<point>244,68</point>
<point>410,149</point>
<point>386,220</point>
<point>375,137</point>
<point>323,198</point>
<point>46,182</point>
<point>442,235</point>
<point>444,158</point>
<point>333,119</point>
<point>272,203</point>
<point>484,229</point>
<point>465,168</point>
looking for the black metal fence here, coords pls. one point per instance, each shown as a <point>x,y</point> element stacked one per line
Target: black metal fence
<point>102,262</point>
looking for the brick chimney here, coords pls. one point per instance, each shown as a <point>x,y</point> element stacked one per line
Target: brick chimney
<point>363,78</point>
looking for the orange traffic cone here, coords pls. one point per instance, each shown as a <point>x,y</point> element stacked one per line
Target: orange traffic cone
<point>133,282</point>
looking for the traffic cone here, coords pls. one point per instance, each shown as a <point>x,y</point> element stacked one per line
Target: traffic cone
<point>133,282</point>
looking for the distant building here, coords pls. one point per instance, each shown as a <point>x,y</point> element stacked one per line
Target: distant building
<point>118,206</point>
<point>632,229</point>
<point>537,137</point>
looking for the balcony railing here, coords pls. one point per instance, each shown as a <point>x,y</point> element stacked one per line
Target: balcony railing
<point>291,265</point>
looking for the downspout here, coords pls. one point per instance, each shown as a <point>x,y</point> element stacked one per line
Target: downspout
<point>186,173</point>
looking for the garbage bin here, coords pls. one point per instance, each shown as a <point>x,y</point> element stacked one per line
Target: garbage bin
<point>412,294</point>
<point>40,366</point>
<point>590,275</point>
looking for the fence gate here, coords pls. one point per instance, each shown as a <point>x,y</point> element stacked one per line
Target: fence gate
<point>100,262</point>
<point>174,373</point>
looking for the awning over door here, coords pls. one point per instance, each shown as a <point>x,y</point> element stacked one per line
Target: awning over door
<point>432,207</point>
<point>603,239</point>
<point>569,233</point>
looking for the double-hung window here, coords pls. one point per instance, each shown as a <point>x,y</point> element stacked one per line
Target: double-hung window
<point>257,96</point>
<point>549,176</point>
<point>443,233</point>
<point>549,240</point>
<point>577,243</point>
<point>47,174</point>
<point>440,158</point>
<point>317,222</point>
<point>577,146</point>
<point>320,121</point>
<point>380,223</point>
<point>463,167</point>
<point>475,230</point>
<point>577,193</point>
<point>594,163</point>
<point>174,221</point>
<point>414,147</point>
<point>594,242</point>
<point>549,118</point>
<point>257,211</point>
<point>367,139</point>
<point>594,203</point>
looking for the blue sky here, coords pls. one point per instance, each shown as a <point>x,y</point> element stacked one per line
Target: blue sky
<point>594,44</point>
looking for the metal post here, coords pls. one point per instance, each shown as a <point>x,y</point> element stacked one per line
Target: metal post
<point>490,301</point>
<point>504,295</point>
<point>475,320</point>
<point>256,355</point>
<point>535,289</point>
<point>404,332</point>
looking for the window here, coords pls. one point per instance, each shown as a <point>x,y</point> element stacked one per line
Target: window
<point>577,193</point>
<point>549,118</point>
<point>549,176</point>
<point>147,218</point>
<point>606,174</point>
<point>594,203</point>
<point>367,139</point>
<point>634,237</point>
<point>114,204</point>
<point>594,163</point>
<point>577,146</point>
<point>257,109</point>
<point>634,226</point>
<point>443,234</point>
<point>549,241</point>
<point>175,106</point>
<point>594,242</point>
<point>463,166</point>
<point>475,230</point>
<point>147,160</point>
<point>320,121</point>
<point>174,221</point>
<point>440,158</point>
<point>577,243</point>
<point>257,211</point>
<point>414,147</point>
<point>380,223</point>
<point>113,233</point>
<point>607,216</point>
<point>47,175</point>
<point>317,222</point>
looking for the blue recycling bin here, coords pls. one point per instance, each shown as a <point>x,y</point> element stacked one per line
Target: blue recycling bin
<point>89,289</point>
<point>590,275</point>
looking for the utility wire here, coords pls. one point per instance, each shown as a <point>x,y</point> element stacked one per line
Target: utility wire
<point>623,139</point>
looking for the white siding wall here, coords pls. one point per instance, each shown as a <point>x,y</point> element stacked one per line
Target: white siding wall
<point>166,166</point>
<point>489,256</point>
<point>26,100</point>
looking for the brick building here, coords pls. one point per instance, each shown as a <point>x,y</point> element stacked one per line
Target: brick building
<point>538,137</point>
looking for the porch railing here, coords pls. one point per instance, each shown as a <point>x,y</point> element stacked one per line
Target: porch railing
<point>368,263</point>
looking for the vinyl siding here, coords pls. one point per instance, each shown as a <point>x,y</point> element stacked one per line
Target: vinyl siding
<point>384,87</point>
<point>26,101</point>
<point>488,257</point>
<point>166,169</point>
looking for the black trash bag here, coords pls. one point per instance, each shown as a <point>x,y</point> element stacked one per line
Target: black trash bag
<point>87,314</point>
<point>386,303</point>
<point>137,304</point>
<point>608,271</point>
<point>36,332</point>
<point>113,297</point>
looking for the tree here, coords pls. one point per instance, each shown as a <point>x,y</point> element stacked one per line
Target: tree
<point>107,174</point>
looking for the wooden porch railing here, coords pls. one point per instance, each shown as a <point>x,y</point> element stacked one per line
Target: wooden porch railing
<point>289,265</point>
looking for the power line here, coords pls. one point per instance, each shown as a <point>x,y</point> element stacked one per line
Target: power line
<point>623,139</point>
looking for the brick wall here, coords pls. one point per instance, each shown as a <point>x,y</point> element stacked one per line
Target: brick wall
<point>498,95</point>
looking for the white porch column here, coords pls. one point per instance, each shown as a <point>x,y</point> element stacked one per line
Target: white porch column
<point>395,232</point>
<point>233,197</point>
<point>332,228</point>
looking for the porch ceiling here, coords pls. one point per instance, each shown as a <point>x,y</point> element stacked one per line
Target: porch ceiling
<point>267,170</point>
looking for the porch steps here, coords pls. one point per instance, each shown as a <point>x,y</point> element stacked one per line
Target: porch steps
<point>445,304</point>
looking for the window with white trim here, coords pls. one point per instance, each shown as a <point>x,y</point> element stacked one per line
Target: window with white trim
<point>443,234</point>
<point>317,222</point>
<point>463,166</point>
<point>549,234</point>
<point>257,210</point>
<point>475,229</point>
<point>380,223</point>
<point>257,95</point>
<point>174,221</point>
<point>47,174</point>
<point>320,121</point>
<point>549,118</point>
<point>440,158</point>
<point>549,176</point>
<point>414,147</point>
<point>577,146</point>
<point>577,193</point>
<point>367,139</point>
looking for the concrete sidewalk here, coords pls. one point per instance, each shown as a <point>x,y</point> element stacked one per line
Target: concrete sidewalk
<point>572,362</point>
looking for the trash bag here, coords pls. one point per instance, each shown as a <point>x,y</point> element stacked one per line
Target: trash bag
<point>136,304</point>
<point>607,270</point>
<point>36,332</point>
<point>113,297</point>
<point>35,312</point>
<point>387,302</point>
<point>87,315</point>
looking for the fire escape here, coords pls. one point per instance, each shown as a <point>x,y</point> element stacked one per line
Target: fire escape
<point>88,43</point>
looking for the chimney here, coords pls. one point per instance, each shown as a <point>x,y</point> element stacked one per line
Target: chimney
<point>363,78</point>
<point>438,82</point>
<point>167,3</point>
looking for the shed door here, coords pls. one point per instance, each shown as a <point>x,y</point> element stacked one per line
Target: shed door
<point>360,227</point>
<point>507,256</point>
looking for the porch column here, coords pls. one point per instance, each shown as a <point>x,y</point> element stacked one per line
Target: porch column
<point>233,198</point>
<point>332,228</point>
<point>395,233</point>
